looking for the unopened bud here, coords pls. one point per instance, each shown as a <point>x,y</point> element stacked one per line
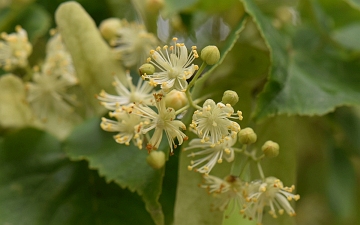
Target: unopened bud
<point>210,54</point>
<point>156,159</point>
<point>109,27</point>
<point>146,68</point>
<point>270,149</point>
<point>247,136</point>
<point>176,99</point>
<point>230,97</point>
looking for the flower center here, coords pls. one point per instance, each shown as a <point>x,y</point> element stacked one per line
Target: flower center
<point>173,73</point>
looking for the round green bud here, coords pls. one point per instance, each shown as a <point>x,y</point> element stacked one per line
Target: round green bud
<point>109,27</point>
<point>210,54</point>
<point>247,136</point>
<point>176,99</point>
<point>154,6</point>
<point>156,159</point>
<point>147,68</point>
<point>230,97</point>
<point>270,149</point>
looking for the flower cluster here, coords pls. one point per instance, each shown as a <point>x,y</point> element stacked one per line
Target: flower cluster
<point>14,50</point>
<point>251,198</point>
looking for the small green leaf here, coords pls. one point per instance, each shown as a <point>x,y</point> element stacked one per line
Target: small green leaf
<point>14,112</point>
<point>40,186</point>
<point>125,165</point>
<point>92,57</point>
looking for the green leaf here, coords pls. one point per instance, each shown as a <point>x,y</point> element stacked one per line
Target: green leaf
<point>125,165</point>
<point>14,112</point>
<point>305,80</point>
<point>92,57</point>
<point>40,186</point>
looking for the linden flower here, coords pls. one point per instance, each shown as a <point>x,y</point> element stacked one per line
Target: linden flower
<point>175,65</point>
<point>142,93</point>
<point>47,94</point>
<point>163,120</point>
<point>128,126</point>
<point>58,60</point>
<point>133,43</point>
<point>214,153</point>
<point>15,49</point>
<point>212,122</point>
<point>226,191</point>
<point>270,193</point>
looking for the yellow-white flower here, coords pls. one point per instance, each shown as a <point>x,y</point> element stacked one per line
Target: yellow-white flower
<point>161,121</point>
<point>225,191</point>
<point>142,94</point>
<point>47,94</point>
<point>58,60</point>
<point>15,49</point>
<point>212,122</point>
<point>128,126</point>
<point>271,193</point>
<point>211,153</point>
<point>175,65</point>
<point>133,43</point>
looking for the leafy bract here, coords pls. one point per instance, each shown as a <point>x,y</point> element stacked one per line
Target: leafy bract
<point>40,186</point>
<point>125,165</point>
<point>93,60</point>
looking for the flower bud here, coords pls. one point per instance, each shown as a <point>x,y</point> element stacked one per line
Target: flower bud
<point>156,159</point>
<point>230,97</point>
<point>247,136</point>
<point>270,149</point>
<point>109,27</point>
<point>210,54</point>
<point>147,68</point>
<point>176,99</point>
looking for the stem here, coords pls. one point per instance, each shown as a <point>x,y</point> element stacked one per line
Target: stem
<point>260,170</point>
<point>202,67</point>
<point>238,166</point>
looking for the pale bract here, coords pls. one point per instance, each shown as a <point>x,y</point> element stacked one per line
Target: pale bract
<point>175,65</point>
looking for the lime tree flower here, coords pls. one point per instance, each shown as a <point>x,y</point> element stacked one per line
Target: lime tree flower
<point>161,121</point>
<point>212,122</point>
<point>142,93</point>
<point>175,65</point>
<point>128,126</point>
<point>15,49</point>
<point>133,43</point>
<point>227,192</point>
<point>58,60</point>
<point>211,153</point>
<point>272,193</point>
